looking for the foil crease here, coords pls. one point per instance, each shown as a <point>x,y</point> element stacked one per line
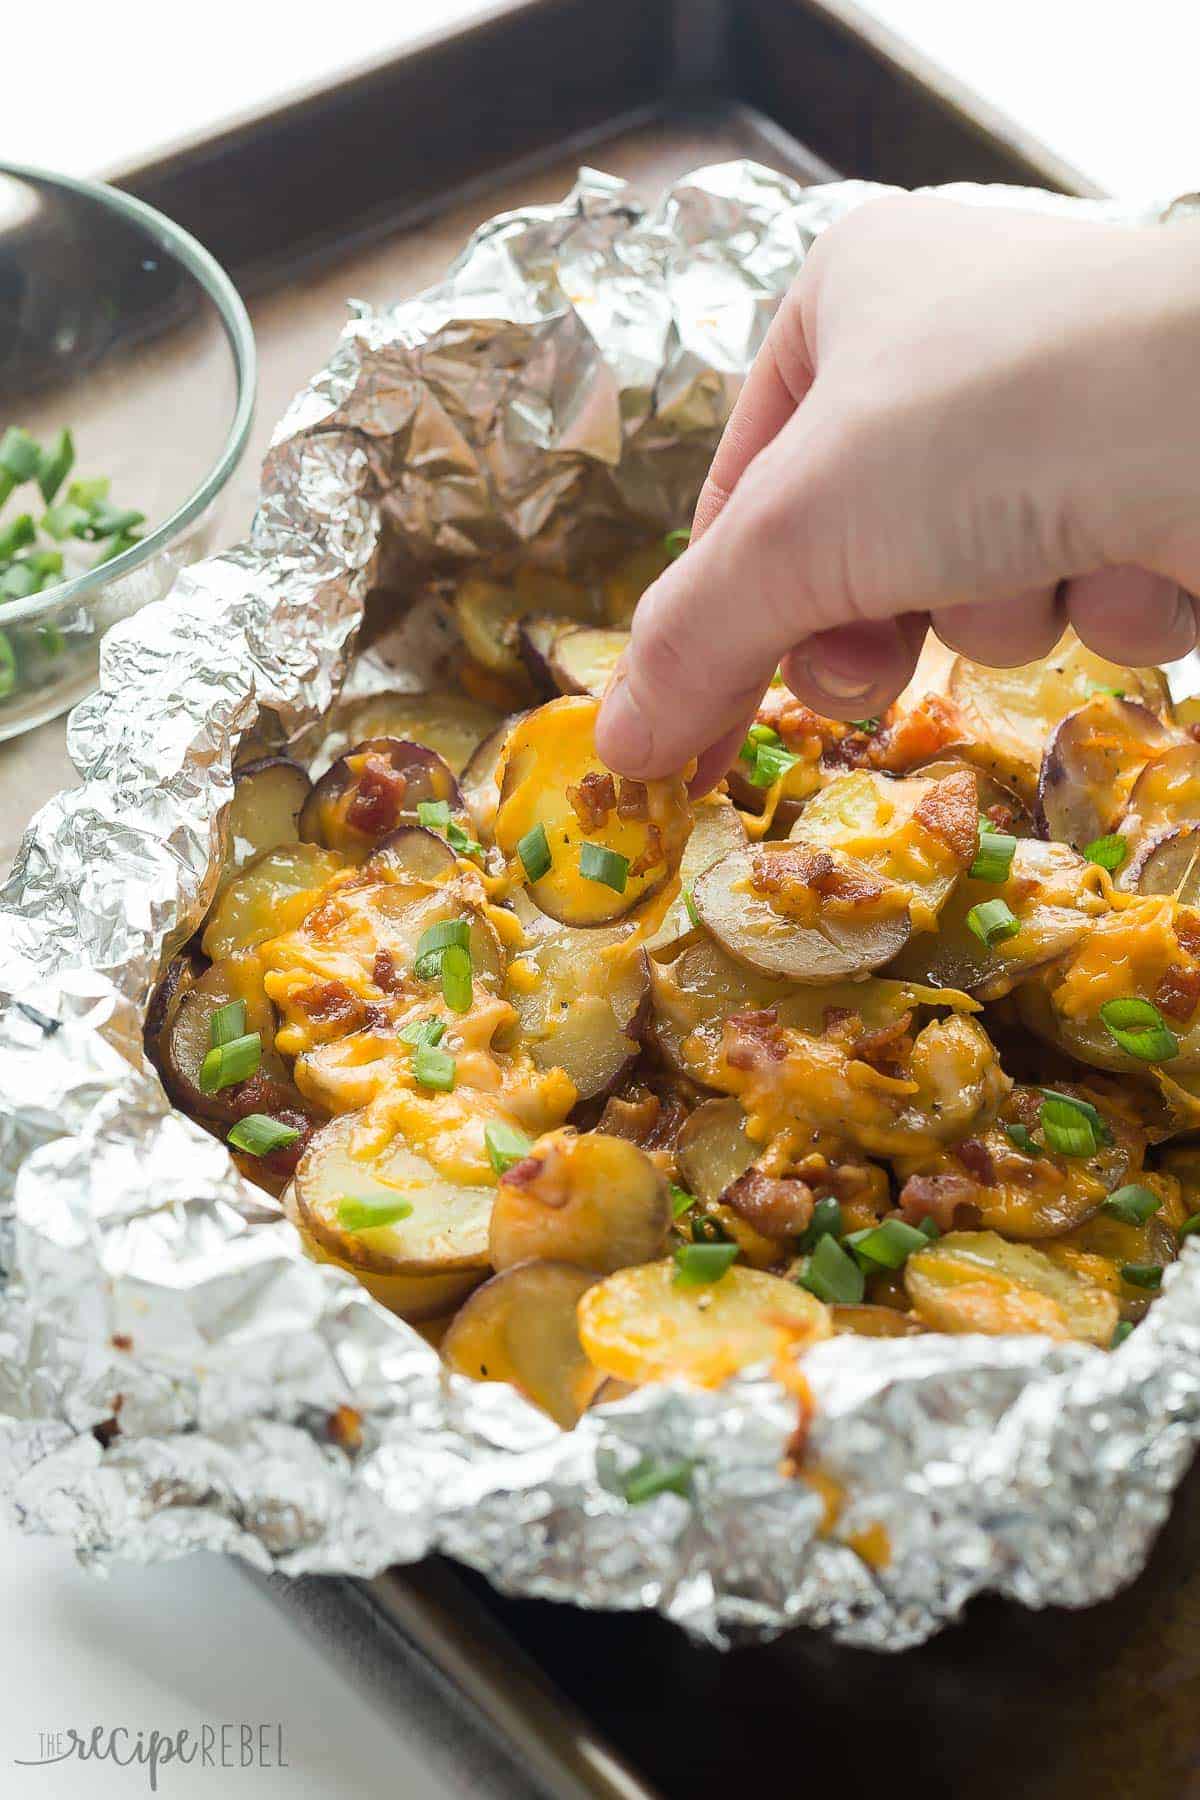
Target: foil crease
<point>561,389</point>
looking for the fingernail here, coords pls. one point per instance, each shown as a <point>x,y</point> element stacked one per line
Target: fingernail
<point>627,737</point>
<point>838,687</point>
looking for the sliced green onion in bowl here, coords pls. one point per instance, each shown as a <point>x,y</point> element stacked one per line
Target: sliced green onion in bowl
<point>597,863</point>
<point>534,853</point>
<point>700,1265</point>
<point>227,1064</point>
<point>258,1134</point>
<point>1139,1029</point>
<point>18,534</point>
<point>55,465</point>
<point>992,921</point>
<point>993,859</point>
<point>369,1214</point>
<point>1107,852</point>
<point>1133,1204</point>
<point>505,1145</point>
<point>833,1275</point>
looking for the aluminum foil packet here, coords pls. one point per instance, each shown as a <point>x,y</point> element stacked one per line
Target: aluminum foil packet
<point>169,1358</point>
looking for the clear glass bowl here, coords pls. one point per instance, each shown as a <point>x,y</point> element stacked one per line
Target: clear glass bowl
<point>117,325</point>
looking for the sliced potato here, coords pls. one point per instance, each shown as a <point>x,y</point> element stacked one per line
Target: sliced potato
<point>641,1325</point>
<point>481,779</point>
<point>181,973</point>
<point>1101,1248</point>
<point>875,1321</point>
<point>974,1281</point>
<point>445,1231</point>
<point>412,853</point>
<point>812,916</point>
<point>582,660</point>
<point>553,778</point>
<point>1091,762</point>
<point>270,896</point>
<point>1009,713</point>
<point>1166,862</point>
<point>1002,804</point>
<point>187,1039</point>
<point>1167,792</point>
<point>417,1298</point>
<point>521,1327</point>
<point>268,796</point>
<point>625,586</point>
<point>488,613</point>
<point>595,1201</point>
<point>535,640</point>
<point>713,1150</point>
<point>370,791</point>
<point>445,720</point>
<point>579,997</point>
<point>716,831</point>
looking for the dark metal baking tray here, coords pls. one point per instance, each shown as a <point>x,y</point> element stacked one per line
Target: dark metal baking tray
<point>1049,1705</point>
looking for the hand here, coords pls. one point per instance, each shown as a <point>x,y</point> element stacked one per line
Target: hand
<point>981,419</point>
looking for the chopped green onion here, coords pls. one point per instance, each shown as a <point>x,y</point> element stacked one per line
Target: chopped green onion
<point>1107,852</point>
<point>258,1135</point>
<point>757,735</point>
<point>1139,1029</point>
<point>461,841</point>
<point>44,562</point>
<point>676,542</point>
<point>649,1477</point>
<point>534,852</point>
<point>227,1064</point>
<point>505,1145</point>
<point>55,465</point>
<point>89,494</point>
<point>227,1024</point>
<point>434,813</point>
<point>771,764</point>
<point>993,859</point>
<point>708,1230</point>
<point>442,935</point>
<point>1121,1331</point>
<point>423,1031</point>
<point>433,1068</point>
<point>19,581</point>
<point>596,863</point>
<point>18,533</point>
<point>456,978</point>
<point>868,726</point>
<point>51,639</point>
<point>681,1201</point>
<point>887,1246</point>
<point>20,456</point>
<point>1098,687</point>
<point>992,921</point>
<point>826,1221</point>
<point>65,520</point>
<point>929,1228</point>
<point>369,1214</point>
<point>1132,1204</point>
<point>1067,1129</point>
<point>1096,1120</point>
<point>8,667</point>
<point>699,1265</point>
<point>985,824</point>
<point>832,1274</point>
<point>1143,1275</point>
<point>1023,1139</point>
<point>689,906</point>
<point>1189,1226</point>
<point>116,546</point>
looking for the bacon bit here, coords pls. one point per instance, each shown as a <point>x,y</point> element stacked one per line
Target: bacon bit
<point>260,1094</point>
<point>950,810</point>
<point>383,972</point>
<point>887,1048</point>
<point>777,1207</point>
<point>646,1119</point>
<point>937,1197</point>
<point>834,1017</point>
<point>633,800</point>
<point>753,1038</point>
<point>1178,993</point>
<point>592,799</point>
<point>332,1003</point>
<point>916,736</point>
<point>523,1173</point>
<point>804,732</point>
<point>324,919</point>
<point>376,1018</point>
<point>377,796</point>
<point>652,855</point>
<point>121,1340</point>
<point>976,1159</point>
<point>1002,816</point>
<point>345,1428</point>
<point>1187,930</point>
<point>799,865</point>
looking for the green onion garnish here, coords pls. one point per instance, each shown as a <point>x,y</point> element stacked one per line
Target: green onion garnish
<point>55,464</point>
<point>1098,687</point>
<point>1066,1128</point>
<point>1189,1226</point>
<point>505,1145</point>
<point>434,813</point>
<point>65,520</point>
<point>1132,1204</point>
<point>993,859</point>
<point>433,1068</point>
<point>869,726</point>
<point>676,542</point>
<point>461,842</point>
<point>1121,1331</point>
<point>832,1274</point>
<point>1107,852</point>
<point>423,1031</point>
<point>1023,1138</point>
<point>89,494</point>
<point>18,533</point>
<point>690,908</point>
<point>699,1265</point>
<point>20,456</point>
<point>756,736</point>
<point>649,1477</point>
<point>1096,1120</point>
<point>227,1023</point>
<point>887,1246</point>
<point>19,581</point>
<point>771,764</point>
<point>707,1229</point>
<point>596,863</point>
<point>534,852</point>
<point>369,1214</point>
<point>992,921</point>
<point>929,1228</point>
<point>258,1135</point>
<point>434,940</point>
<point>682,1201</point>
<point>826,1221</point>
<point>1139,1029</point>
<point>112,521</point>
<point>456,978</point>
<point>231,1062</point>
<point>1143,1275</point>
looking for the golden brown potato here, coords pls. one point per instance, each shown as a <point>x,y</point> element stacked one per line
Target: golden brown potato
<point>521,1327</point>
<point>976,1281</point>
<point>597,1202</point>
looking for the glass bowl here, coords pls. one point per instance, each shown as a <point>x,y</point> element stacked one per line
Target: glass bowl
<point>119,327</point>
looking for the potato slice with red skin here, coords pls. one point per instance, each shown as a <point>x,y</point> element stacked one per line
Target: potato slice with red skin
<point>416,1298</point>
<point>579,997</point>
<point>270,896</point>
<point>712,1150</point>
<point>535,640</point>
<point>717,830</point>
<point>521,1327</point>
<point>443,719</point>
<point>187,1039</point>
<point>488,613</point>
<point>372,790</point>
<point>1100,1248</point>
<point>1167,792</point>
<point>181,973</point>
<point>852,923</point>
<point>583,658</point>
<point>642,1325</point>
<point>1091,763</point>
<point>553,778</point>
<point>1166,863</point>
<point>975,1281</point>
<point>595,1201</point>
<point>412,853</point>
<point>1003,805</point>
<point>480,784</point>
<point>268,797</point>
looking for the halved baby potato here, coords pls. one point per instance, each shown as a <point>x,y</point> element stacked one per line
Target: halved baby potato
<point>1091,762</point>
<point>1105,1245</point>
<point>416,1298</point>
<point>717,831</point>
<point>974,1281</point>
<point>553,779</point>
<point>268,897</point>
<point>579,997</point>
<point>642,1325</point>
<point>521,1327</point>
<point>1166,862</point>
<point>595,1201</point>
<point>370,791</point>
<point>268,797</point>
<point>480,783</point>
<point>412,853</point>
<point>810,915</point>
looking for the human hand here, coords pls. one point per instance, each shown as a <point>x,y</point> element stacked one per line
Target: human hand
<point>981,419</point>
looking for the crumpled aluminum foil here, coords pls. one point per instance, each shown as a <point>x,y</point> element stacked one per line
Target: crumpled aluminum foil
<point>563,387</point>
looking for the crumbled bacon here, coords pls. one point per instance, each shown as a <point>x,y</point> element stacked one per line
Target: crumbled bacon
<point>376,1018</point>
<point>592,799</point>
<point>331,1003</point>
<point>976,1159</point>
<point>753,1038</point>
<point>1178,993</point>
<point>834,1017</point>
<point>887,1048</point>
<point>262,1095</point>
<point>776,869</point>
<point>951,811</point>
<point>377,796</point>
<point>524,1173</point>
<point>645,1118</point>
<point>383,972</point>
<point>777,1207</point>
<point>1001,816</point>
<point>915,736</point>
<point>652,855</point>
<point>1187,932</point>
<point>633,801</point>
<point>938,1197</point>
